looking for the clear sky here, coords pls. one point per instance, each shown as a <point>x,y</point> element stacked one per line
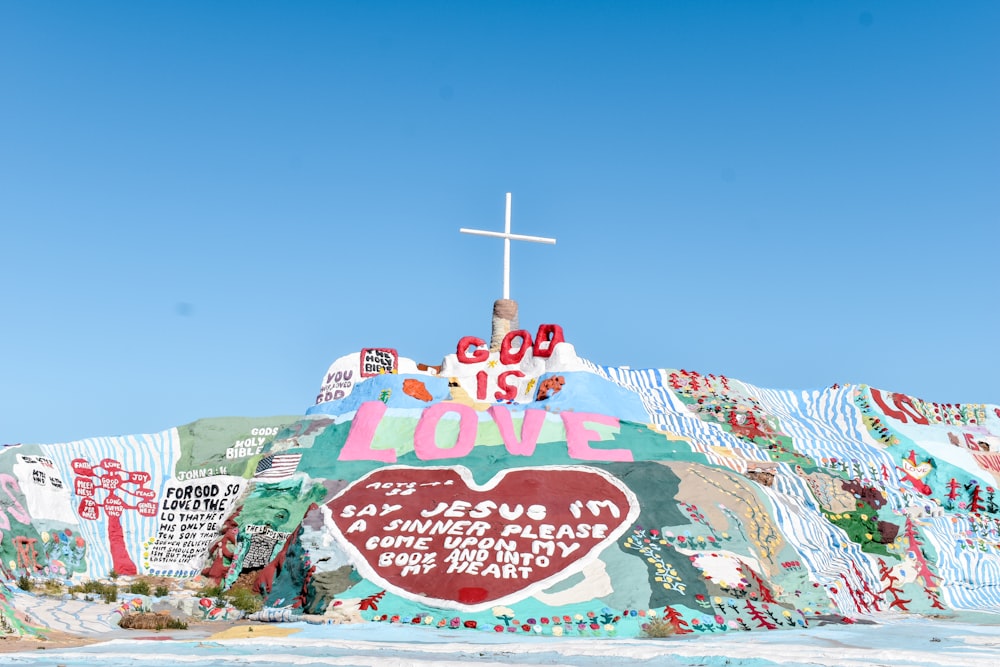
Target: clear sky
<point>203,204</point>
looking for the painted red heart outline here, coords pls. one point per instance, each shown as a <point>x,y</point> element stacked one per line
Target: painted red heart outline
<point>547,522</point>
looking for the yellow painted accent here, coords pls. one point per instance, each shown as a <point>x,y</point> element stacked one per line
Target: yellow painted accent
<point>254,631</point>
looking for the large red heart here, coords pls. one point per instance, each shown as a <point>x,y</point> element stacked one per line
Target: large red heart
<point>434,536</point>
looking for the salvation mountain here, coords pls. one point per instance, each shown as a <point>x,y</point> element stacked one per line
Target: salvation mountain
<point>518,487</point>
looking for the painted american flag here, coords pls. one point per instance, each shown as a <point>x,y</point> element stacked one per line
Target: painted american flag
<point>277,466</point>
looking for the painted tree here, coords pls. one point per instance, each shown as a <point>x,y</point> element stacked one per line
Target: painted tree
<point>109,479</point>
<point>933,596</point>
<point>759,616</point>
<point>371,602</point>
<point>748,428</point>
<point>752,421</point>
<point>975,501</point>
<point>765,592</point>
<point>866,588</point>
<point>917,551</point>
<point>892,587</point>
<point>674,618</point>
<point>857,596</point>
<point>953,490</point>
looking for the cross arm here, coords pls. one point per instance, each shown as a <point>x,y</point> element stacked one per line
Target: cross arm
<point>512,237</point>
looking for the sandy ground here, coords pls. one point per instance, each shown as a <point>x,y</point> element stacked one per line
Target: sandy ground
<point>55,639</point>
<point>896,640</point>
<point>904,642</point>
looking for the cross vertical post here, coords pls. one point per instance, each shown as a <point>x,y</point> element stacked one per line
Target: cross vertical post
<point>507,238</point>
<point>506,250</point>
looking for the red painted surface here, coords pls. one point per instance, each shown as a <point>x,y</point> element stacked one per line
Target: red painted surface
<point>429,533</point>
<point>904,410</point>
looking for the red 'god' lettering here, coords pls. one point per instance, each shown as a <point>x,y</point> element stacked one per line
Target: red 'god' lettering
<point>548,336</point>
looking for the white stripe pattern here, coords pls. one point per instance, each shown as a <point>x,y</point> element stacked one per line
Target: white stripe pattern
<point>668,412</point>
<point>821,424</point>
<point>156,454</point>
<point>825,548</point>
<point>828,424</point>
<point>970,578</point>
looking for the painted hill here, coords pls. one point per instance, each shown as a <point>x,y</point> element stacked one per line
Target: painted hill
<point>525,489</point>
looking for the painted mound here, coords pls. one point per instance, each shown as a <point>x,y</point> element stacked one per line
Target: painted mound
<point>528,490</point>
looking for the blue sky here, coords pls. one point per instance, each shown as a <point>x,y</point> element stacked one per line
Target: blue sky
<point>203,204</point>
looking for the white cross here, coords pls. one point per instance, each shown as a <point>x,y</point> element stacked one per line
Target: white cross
<point>507,238</point>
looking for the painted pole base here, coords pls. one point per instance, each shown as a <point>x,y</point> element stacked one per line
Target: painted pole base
<point>504,321</point>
